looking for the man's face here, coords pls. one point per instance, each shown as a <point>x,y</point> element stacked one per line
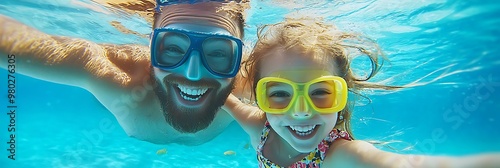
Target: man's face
<point>190,96</point>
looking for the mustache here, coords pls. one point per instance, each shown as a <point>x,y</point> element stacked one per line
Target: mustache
<point>204,82</point>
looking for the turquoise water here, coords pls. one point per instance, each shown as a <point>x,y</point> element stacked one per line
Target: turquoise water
<point>448,48</point>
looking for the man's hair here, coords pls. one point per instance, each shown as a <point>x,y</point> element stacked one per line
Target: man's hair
<point>236,9</point>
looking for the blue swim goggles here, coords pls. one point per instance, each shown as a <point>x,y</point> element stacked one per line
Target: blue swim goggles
<point>220,54</point>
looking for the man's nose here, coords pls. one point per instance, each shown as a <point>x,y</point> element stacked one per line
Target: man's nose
<point>301,109</point>
<point>193,71</point>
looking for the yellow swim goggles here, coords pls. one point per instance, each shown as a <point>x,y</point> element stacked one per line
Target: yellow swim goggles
<point>326,94</point>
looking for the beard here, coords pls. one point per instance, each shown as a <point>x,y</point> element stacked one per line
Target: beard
<point>189,119</point>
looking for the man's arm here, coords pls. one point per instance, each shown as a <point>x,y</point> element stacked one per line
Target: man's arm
<point>65,60</point>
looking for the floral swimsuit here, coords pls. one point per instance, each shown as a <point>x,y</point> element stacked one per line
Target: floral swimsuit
<point>314,159</point>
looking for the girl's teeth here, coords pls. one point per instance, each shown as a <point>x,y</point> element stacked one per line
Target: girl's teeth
<point>303,130</point>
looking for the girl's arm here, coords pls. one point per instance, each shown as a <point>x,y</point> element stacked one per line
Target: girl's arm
<point>363,154</point>
<point>250,118</point>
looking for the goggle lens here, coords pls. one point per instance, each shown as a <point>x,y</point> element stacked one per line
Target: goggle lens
<point>322,94</point>
<point>220,54</point>
<point>171,48</point>
<point>278,94</point>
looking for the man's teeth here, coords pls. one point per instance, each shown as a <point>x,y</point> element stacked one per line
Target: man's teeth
<point>303,130</point>
<point>190,99</point>
<point>192,91</point>
<point>191,94</point>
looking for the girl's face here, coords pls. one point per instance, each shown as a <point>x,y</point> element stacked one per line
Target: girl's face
<point>296,124</point>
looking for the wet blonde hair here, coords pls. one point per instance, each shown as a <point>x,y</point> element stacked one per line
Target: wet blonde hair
<point>323,42</point>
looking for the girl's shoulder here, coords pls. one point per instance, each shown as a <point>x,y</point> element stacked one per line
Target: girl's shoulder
<point>348,153</point>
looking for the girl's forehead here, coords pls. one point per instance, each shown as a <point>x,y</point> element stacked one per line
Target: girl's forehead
<point>301,75</point>
<point>304,66</point>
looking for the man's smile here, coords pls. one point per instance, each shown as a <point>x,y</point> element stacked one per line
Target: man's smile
<point>191,96</point>
<point>191,93</point>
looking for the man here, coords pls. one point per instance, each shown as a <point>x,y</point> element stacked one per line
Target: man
<point>170,92</point>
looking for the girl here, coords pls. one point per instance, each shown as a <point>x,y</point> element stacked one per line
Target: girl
<point>299,72</point>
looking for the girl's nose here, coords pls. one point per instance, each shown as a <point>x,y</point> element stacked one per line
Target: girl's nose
<point>301,109</point>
